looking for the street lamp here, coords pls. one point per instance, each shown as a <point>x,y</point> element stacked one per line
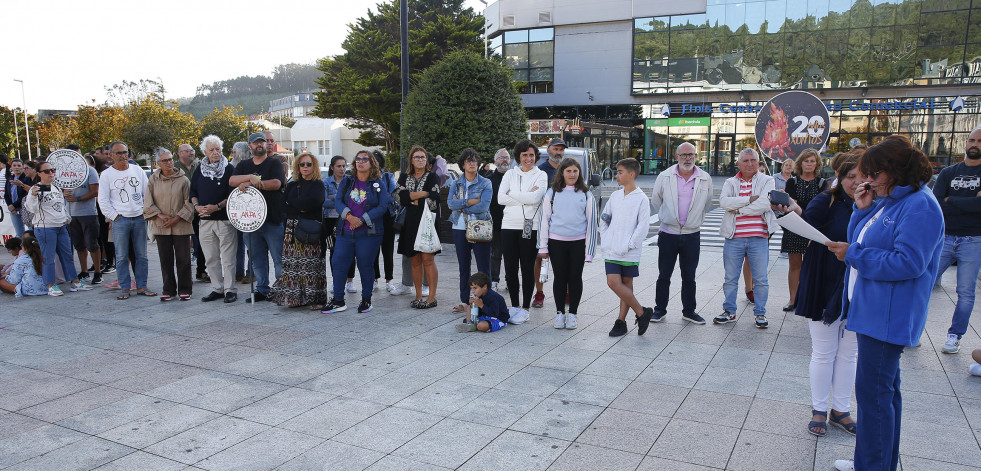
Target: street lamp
<point>486,45</point>
<point>27,130</point>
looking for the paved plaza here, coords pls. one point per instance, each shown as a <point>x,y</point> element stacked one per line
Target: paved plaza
<point>89,382</point>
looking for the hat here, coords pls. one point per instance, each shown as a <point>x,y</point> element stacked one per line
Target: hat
<point>556,141</point>
<point>256,136</point>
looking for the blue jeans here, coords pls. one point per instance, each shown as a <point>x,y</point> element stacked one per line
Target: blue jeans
<point>880,404</point>
<point>240,255</point>
<point>684,249</point>
<point>266,241</point>
<point>18,221</point>
<point>966,250</point>
<point>352,245</point>
<point>481,251</point>
<point>126,233</point>
<point>758,251</point>
<point>56,241</point>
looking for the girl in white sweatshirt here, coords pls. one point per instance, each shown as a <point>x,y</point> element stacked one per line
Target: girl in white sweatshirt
<point>521,195</point>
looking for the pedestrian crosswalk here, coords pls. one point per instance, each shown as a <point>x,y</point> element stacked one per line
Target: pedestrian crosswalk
<point>710,231</point>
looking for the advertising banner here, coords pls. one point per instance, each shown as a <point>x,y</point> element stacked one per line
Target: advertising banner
<point>791,122</point>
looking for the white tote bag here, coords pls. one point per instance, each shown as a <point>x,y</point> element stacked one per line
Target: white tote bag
<point>427,240</point>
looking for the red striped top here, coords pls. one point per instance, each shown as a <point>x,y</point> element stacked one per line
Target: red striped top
<point>749,226</point>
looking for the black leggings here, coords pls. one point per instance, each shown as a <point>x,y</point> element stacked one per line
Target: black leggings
<point>568,260</point>
<point>519,253</point>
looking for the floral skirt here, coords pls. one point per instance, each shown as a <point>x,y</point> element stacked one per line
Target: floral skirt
<point>304,276</point>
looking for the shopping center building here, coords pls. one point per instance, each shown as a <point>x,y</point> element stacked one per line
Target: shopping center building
<point>637,77</point>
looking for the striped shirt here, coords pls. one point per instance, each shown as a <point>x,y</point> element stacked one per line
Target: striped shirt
<point>749,226</point>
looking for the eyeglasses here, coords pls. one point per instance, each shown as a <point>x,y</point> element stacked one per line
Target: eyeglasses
<point>166,160</point>
<point>47,170</point>
<point>305,164</point>
<point>362,159</point>
<point>687,155</point>
<point>418,157</point>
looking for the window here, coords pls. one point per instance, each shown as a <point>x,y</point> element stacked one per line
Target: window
<point>323,147</point>
<point>531,54</point>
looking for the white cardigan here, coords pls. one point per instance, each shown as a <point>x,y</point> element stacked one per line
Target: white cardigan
<point>519,200</point>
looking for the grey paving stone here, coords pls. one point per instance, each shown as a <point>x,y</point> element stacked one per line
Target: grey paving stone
<point>449,444</point>
<point>142,461</point>
<point>275,338</point>
<point>651,398</point>
<point>786,364</point>
<point>704,334</point>
<point>344,379</point>
<point>152,378</point>
<point>728,380</point>
<point>932,408</point>
<point>34,388</point>
<point>740,359</point>
<point>827,453</point>
<point>282,406</point>
<point>498,408</point>
<point>298,370</point>
<point>255,364</point>
<point>654,463</point>
<point>391,388</point>
<point>615,365</point>
<point>485,373</point>
<point>398,463</point>
<point>437,364</point>
<point>649,346</point>
<point>715,408</point>
<point>959,443</point>
<point>88,453</point>
<point>388,429</point>
<point>590,389</point>
<point>783,418</point>
<point>695,442</point>
<point>442,397</point>
<point>243,392</point>
<point>266,450</point>
<point>29,444</point>
<point>153,428</point>
<point>12,423</point>
<point>557,418</point>
<point>115,414</point>
<point>689,352</point>
<point>520,351</point>
<point>629,431</point>
<point>206,439</point>
<point>757,450</point>
<point>332,455</point>
<point>74,404</point>
<point>332,417</point>
<point>913,463</point>
<point>579,456</point>
<point>785,388</point>
<point>536,381</point>
<point>672,373</point>
<point>190,388</point>
<point>516,451</point>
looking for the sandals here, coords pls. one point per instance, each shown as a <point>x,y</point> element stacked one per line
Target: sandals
<point>790,307</point>
<point>146,292</point>
<point>814,427</point>
<point>835,419</point>
<point>425,305</point>
<point>415,303</point>
<point>124,296</point>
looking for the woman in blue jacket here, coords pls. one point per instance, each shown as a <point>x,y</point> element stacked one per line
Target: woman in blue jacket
<point>361,203</point>
<point>469,198</point>
<point>895,236</point>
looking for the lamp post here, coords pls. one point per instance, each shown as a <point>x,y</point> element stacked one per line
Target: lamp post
<point>27,130</point>
<point>486,45</point>
<point>17,134</point>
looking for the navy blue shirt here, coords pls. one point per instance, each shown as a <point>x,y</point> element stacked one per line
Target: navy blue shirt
<point>549,171</point>
<point>210,191</point>
<point>494,306</point>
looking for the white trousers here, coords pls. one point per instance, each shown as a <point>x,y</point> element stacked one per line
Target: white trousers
<point>219,242</point>
<point>834,352</point>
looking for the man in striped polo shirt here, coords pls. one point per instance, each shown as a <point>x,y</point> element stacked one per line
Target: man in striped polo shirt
<point>746,226</point>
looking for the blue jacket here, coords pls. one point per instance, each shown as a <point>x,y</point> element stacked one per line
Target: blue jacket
<point>330,186</point>
<point>897,264</point>
<point>480,188</point>
<point>378,201</point>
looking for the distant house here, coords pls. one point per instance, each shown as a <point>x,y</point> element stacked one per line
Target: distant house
<point>325,138</point>
<point>296,105</point>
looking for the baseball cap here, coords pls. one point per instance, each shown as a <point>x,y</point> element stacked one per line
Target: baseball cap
<point>256,136</point>
<point>556,141</point>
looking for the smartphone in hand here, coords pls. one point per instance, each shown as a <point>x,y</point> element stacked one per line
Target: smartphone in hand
<point>779,198</point>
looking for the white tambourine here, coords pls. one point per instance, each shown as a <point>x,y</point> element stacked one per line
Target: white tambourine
<point>246,210</point>
<point>71,170</point>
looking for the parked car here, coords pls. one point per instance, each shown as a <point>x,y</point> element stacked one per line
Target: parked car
<point>590,164</point>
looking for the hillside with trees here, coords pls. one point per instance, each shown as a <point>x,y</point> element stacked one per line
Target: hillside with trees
<point>252,93</point>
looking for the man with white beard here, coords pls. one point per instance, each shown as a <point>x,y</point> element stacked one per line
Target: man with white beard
<point>682,196</point>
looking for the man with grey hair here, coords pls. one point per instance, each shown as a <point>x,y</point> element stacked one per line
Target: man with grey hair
<point>502,160</point>
<point>746,226</point>
<point>271,150</point>
<point>682,195</point>
<point>187,162</point>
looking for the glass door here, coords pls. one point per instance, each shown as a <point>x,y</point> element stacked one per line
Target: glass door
<point>722,160</point>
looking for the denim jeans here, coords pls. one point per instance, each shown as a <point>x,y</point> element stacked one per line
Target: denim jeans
<point>130,233</point>
<point>966,250</point>
<point>18,223</point>
<point>880,404</point>
<point>56,241</point>
<point>481,252</point>
<point>352,245</point>
<point>266,241</point>
<point>684,249</point>
<point>758,251</point>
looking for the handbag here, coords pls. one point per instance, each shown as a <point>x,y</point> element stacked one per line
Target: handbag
<point>427,240</point>
<point>307,231</point>
<point>399,221</point>
<point>480,230</point>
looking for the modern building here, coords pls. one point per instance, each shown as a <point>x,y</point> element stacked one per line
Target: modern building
<point>325,138</point>
<point>641,76</point>
<point>296,105</point>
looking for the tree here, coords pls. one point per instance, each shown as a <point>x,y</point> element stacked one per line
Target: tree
<point>58,131</point>
<point>126,92</point>
<point>465,101</point>
<point>151,123</point>
<point>98,125</point>
<point>10,132</point>
<point>228,125</point>
<point>364,84</point>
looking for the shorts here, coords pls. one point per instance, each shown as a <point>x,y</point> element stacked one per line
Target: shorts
<point>84,231</point>
<point>495,323</point>
<point>625,271</point>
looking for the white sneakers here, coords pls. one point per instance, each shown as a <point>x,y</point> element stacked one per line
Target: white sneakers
<point>80,286</point>
<point>350,287</point>
<point>493,286</point>
<point>425,291</point>
<point>975,369</point>
<point>54,290</point>
<point>564,321</point>
<point>845,465</point>
<point>518,315</point>
<point>952,345</point>
<point>375,286</point>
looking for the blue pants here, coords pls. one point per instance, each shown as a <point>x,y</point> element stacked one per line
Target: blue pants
<point>240,255</point>
<point>481,251</point>
<point>130,233</point>
<point>266,241</point>
<point>880,404</point>
<point>352,245</point>
<point>966,251</point>
<point>758,251</point>
<point>55,240</point>
<point>684,249</point>
<point>18,221</point>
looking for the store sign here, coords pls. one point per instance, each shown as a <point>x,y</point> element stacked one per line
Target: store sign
<point>702,121</point>
<point>791,122</point>
<point>858,105</point>
<point>708,109</point>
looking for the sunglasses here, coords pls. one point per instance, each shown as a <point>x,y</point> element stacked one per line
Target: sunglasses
<point>305,164</point>
<point>362,159</point>
<point>165,160</point>
<point>47,170</point>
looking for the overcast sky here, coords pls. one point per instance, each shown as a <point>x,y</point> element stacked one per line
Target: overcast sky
<point>68,51</point>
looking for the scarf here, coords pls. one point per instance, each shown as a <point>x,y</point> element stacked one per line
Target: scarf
<point>213,171</point>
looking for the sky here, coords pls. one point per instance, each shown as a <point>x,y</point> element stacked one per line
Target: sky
<point>68,51</point>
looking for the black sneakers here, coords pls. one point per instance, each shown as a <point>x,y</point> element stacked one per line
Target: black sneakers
<point>334,305</point>
<point>230,297</point>
<point>365,305</point>
<point>97,278</point>
<point>693,318</point>
<point>212,296</point>
<point>644,321</point>
<point>619,328</point>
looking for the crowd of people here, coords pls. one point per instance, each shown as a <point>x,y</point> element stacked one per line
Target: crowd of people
<point>865,294</point>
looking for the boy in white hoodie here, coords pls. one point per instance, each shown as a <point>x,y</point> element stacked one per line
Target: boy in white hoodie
<point>623,227</point>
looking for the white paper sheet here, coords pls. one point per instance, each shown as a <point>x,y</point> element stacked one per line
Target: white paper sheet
<point>794,223</point>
